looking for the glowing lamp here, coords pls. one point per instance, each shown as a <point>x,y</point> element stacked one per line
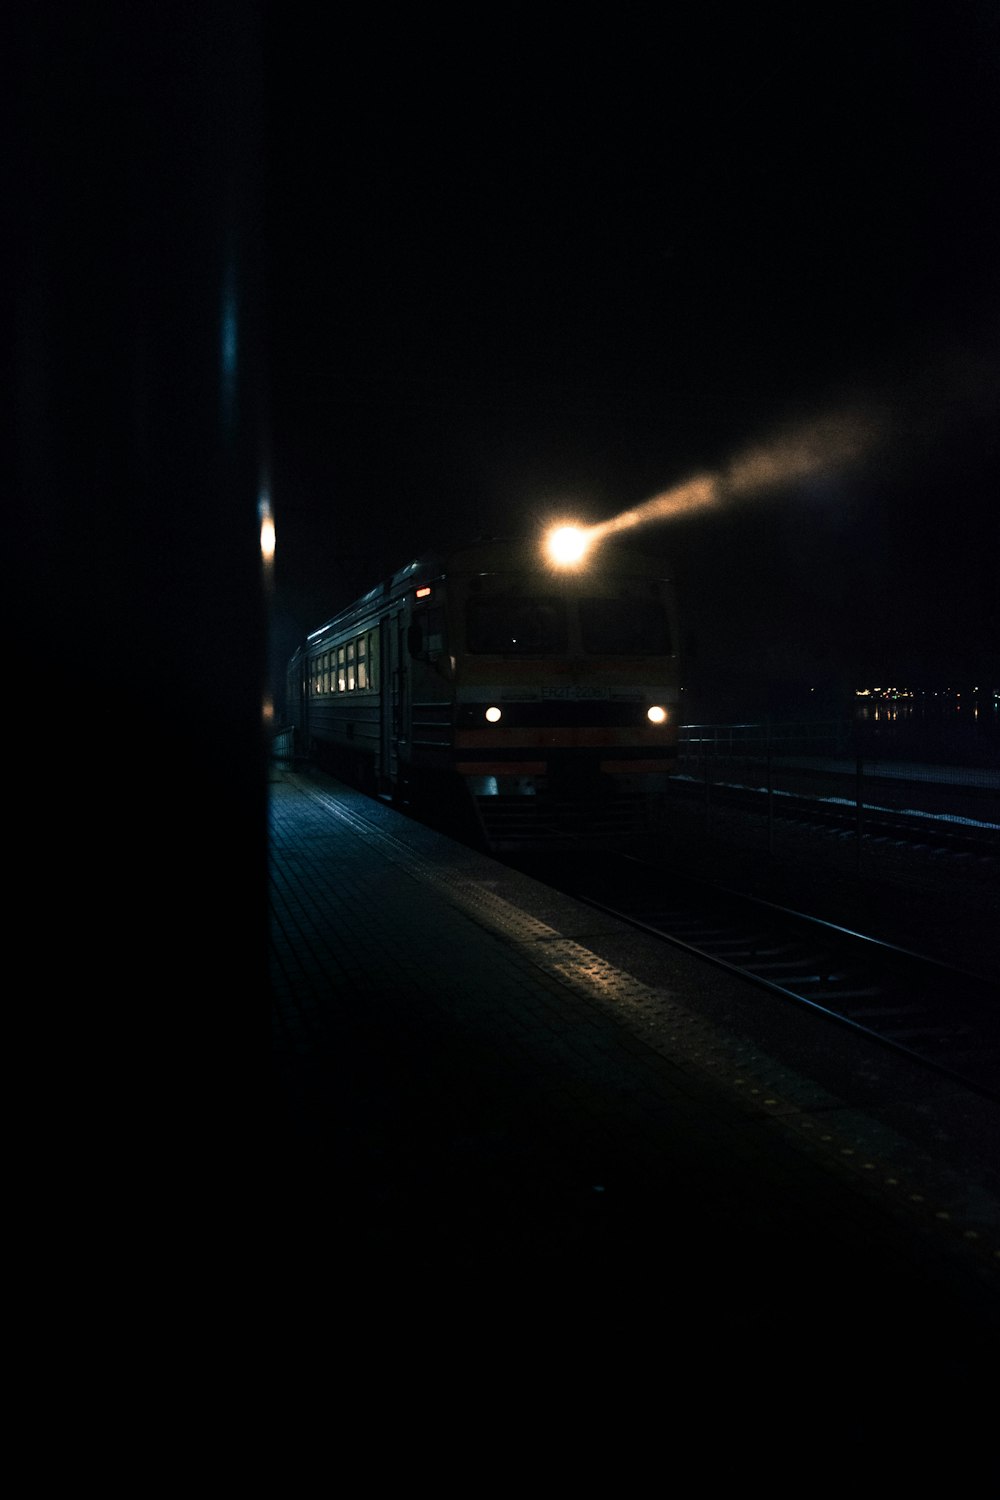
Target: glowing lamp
<point>566,545</point>
<point>493,715</point>
<point>656,714</point>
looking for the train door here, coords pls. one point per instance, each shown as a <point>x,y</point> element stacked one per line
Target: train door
<point>297,700</point>
<point>393,716</point>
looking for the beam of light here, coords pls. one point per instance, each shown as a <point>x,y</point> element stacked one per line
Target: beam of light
<point>826,445</point>
<point>693,495</point>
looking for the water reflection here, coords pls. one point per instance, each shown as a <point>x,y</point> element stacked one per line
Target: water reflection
<point>959,724</point>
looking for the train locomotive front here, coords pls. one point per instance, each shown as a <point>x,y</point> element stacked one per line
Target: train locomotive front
<point>541,700</point>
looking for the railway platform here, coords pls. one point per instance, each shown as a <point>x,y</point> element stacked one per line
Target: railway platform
<point>537,1176</point>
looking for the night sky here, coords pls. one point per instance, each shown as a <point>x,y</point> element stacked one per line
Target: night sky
<point>524,265</point>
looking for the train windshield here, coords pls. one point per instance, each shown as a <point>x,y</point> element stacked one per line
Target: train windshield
<point>624,627</point>
<point>515,627</point>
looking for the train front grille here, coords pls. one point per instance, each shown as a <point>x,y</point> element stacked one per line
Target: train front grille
<point>550,819</point>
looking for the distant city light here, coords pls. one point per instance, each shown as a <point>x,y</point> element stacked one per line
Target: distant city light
<point>892,694</point>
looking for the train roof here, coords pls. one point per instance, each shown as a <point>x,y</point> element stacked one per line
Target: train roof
<point>484,555</point>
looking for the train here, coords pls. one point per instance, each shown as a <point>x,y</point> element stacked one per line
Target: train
<point>538,703</point>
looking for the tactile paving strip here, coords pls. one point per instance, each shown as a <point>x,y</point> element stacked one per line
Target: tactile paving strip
<point>858,1146</point>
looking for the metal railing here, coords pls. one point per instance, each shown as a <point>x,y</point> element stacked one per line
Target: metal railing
<point>781,771</point>
<point>830,737</point>
<point>283,743</point>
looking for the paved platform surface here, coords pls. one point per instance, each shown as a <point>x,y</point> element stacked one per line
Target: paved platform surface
<point>536,1176</point>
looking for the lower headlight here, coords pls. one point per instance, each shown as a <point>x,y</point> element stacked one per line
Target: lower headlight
<point>656,714</point>
<point>493,715</point>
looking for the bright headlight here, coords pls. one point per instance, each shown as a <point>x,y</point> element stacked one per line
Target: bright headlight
<point>493,715</point>
<point>566,545</point>
<point>656,714</point>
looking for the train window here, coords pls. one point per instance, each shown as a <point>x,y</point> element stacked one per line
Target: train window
<point>624,627</point>
<point>326,672</point>
<point>350,666</point>
<point>425,637</point>
<point>363,662</point>
<point>434,631</point>
<point>341,677</point>
<point>515,627</point>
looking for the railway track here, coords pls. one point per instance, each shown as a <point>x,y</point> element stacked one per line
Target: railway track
<point>939,1014</point>
<point>944,1017</point>
<point>975,831</point>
